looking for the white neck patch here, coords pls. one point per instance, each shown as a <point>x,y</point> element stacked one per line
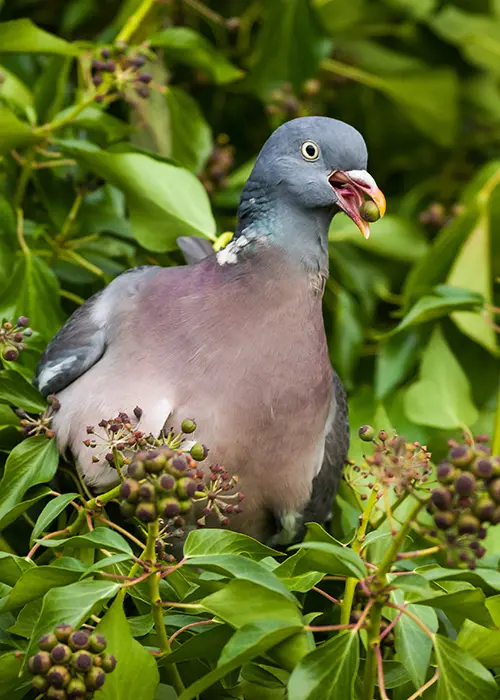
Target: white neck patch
<point>229,254</point>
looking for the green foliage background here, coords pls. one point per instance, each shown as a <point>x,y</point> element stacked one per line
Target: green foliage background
<point>410,314</point>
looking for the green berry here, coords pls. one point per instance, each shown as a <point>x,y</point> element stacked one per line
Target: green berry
<point>82,661</point>
<point>137,470</point>
<point>468,524</point>
<point>39,683</point>
<point>79,640</point>
<point>177,466</point>
<point>97,643</point>
<point>76,689</point>
<point>199,452</point>
<point>444,519</point>
<point>369,211</point>
<point>168,508</point>
<point>185,506</point>
<point>445,473</point>
<point>166,482</point>
<point>48,641</point>
<point>129,490</point>
<point>494,489</point>
<point>485,509</point>
<point>108,663</point>
<point>55,694</point>
<point>156,463</point>
<point>188,426</point>
<point>61,654</point>
<point>483,468</point>
<point>366,433</point>
<point>62,632</point>
<point>461,456</point>
<point>185,488</point>
<point>128,509</point>
<point>146,512</point>
<point>95,678</point>
<point>59,676</point>
<point>147,491</point>
<point>39,663</point>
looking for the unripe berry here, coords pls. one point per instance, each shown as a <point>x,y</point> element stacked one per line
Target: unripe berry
<point>188,426</point>
<point>168,508</point>
<point>485,509</point>
<point>146,512</point>
<point>137,470</point>
<point>129,490</point>
<point>61,654</point>
<point>147,491</point>
<point>461,455</point>
<point>76,689</point>
<point>128,509</point>
<point>186,488</point>
<point>441,498</point>
<point>146,78</point>
<point>39,663</point>
<point>369,211</point>
<point>199,452</point>
<point>366,433</point>
<point>483,468</point>
<point>465,484</point>
<point>82,661</point>
<point>108,663</point>
<point>11,355</point>
<point>97,643</point>
<point>445,472</point>
<point>95,678</point>
<point>166,482</point>
<point>156,463</point>
<point>79,640</point>
<point>22,322</point>
<point>185,506</point>
<point>468,524</point>
<point>55,694</point>
<point>444,519</point>
<point>62,632</point>
<point>494,489</point>
<point>177,466</point>
<point>48,641</point>
<point>59,676</point>
<point>39,683</point>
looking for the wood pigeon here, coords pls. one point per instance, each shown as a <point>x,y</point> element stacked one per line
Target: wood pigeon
<point>235,340</point>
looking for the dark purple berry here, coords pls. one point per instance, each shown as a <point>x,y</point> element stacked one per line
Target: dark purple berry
<point>465,484</point>
<point>468,524</point>
<point>169,508</point>
<point>97,65</point>
<point>105,53</point>
<point>138,412</point>
<point>61,654</point>
<point>99,98</point>
<point>445,472</point>
<point>11,355</point>
<point>59,676</point>
<point>481,533</point>
<point>166,482</point>
<point>82,661</point>
<point>39,663</point>
<point>95,678</point>
<point>145,78</point>
<point>79,640</point>
<point>129,490</point>
<point>494,489</point>
<point>146,512</point>
<point>97,643</point>
<point>109,66</point>
<point>147,491</point>
<point>444,520</point>
<point>137,61</point>
<point>186,488</point>
<point>461,455</point>
<point>143,91</point>
<point>22,322</point>
<point>97,80</point>
<point>441,498</point>
<point>137,470</point>
<point>485,509</point>
<point>483,468</point>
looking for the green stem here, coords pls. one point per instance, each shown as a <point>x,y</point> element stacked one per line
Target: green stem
<point>394,507</point>
<point>134,20</point>
<point>24,178</point>
<point>77,259</point>
<point>350,585</point>
<point>371,660</point>
<point>496,434</point>
<point>20,232</point>
<point>154,593</point>
<point>70,219</point>
<point>353,73</point>
<point>397,542</point>
<point>48,128</point>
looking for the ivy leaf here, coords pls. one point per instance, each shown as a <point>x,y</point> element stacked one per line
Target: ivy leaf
<point>331,559</point>
<point>53,508</point>
<point>209,541</point>
<point>461,677</point>
<point>328,672</point>
<point>16,391</point>
<point>14,133</point>
<point>191,137</point>
<point>136,674</point>
<point>184,45</point>
<point>35,583</point>
<point>413,645</point>
<point>22,36</point>
<point>441,397</point>
<point>100,537</point>
<point>34,461</point>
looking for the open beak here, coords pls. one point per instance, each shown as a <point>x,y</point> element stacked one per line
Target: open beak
<point>351,186</point>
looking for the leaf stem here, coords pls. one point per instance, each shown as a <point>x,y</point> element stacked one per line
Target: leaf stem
<point>154,594</point>
<point>24,178</point>
<point>20,232</point>
<point>350,585</point>
<point>353,73</point>
<point>380,670</point>
<point>395,505</point>
<point>70,219</point>
<point>371,651</point>
<point>133,22</point>
<point>425,686</point>
<point>415,619</point>
<point>186,627</point>
<point>48,128</point>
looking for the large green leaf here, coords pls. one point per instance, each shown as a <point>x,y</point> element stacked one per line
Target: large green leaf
<point>209,541</point>
<point>53,508</point>
<point>337,16</point>
<point>395,359</point>
<point>22,36</point>
<point>34,461</point>
<point>136,674</point>
<point>35,583</point>
<point>72,605</point>
<point>12,567</point>
<point>248,642</point>
<point>33,291</point>
<point>12,687</point>
<point>441,397</point>
<point>288,48</point>
<point>328,672</point>
<point>332,559</point>
<point>190,135</point>
<point>16,391</point>
<point>14,133</point>
<point>100,537</point>
<point>413,645</point>
<point>14,90</point>
<point>184,45</point>
<point>165,201</point>
<point>461,677</point>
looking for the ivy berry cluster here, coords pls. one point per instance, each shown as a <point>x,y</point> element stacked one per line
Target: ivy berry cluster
<point>71,664</point>
<point>12,338</point>
<point>118,66</point>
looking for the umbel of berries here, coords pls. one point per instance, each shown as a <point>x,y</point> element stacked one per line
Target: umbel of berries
<point>70,664</point>
<point>162,484</point>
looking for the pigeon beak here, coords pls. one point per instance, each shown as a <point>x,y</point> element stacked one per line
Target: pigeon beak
<point>350,186</point>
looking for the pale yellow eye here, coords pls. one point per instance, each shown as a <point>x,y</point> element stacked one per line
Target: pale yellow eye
<point>309,150</point>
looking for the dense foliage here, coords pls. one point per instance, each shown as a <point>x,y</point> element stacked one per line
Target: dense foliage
<point>124,125</point>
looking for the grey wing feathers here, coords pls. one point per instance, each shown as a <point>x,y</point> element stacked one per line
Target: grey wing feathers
<point>327,480</point>
<point>82,340</point>
<point>194,248</point>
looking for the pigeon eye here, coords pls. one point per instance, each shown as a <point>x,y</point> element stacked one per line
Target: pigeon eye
<point>309,150</point>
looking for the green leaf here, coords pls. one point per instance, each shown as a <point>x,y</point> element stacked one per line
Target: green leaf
<point>100,537</point>
<point>12,567</point>
<point>34,461</point>
<point>16,391</point>
<point>336,16</point>
<point>481,643</point>
<point>184,45</point>
<point>420,10</point>
<point>488,578</point>
<point>395,359</point>
<point>441,397</point>
<point>22,36</point>
<point>328,672</point>
<point>211,541</point>
<point>53,508</point>
<point>472,270</point>
<point>248,642</point>
<point>14,90</point>
<point>430,308</point>
<point>413,645</point>
<point>33,291</point>
<point>12,514</point>
<point>35,583</point>
<point>136,674</point>
<point>70,604</point>
<point>461,677</point>
<point>165,201</point>
<point>13,132</point>
<point>346,343</point>
<point>468,603</point>
<point>288,47</point>
<point>108,561</point>
<point>50,87</point>
<point>392,237</point>
<point>332,559</point>
<point>241,568</point>
<point>206,645</point>
<point>478,36</point>
<point>12,687</point>
<point>96,120</point>
<point>190,134</point>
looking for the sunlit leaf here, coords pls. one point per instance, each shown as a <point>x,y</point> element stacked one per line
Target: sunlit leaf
<point>22,36</point>
<point>461,677</point>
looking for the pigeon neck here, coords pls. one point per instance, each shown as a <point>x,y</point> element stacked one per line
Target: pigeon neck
<point>303,234</point>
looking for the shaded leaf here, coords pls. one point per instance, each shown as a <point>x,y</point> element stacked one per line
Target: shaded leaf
<point>35,583</point>
<point>395,359</point>
<point>100,537</point>
<point>413,645</point>
<point>191,137</point>
<point>16,391</point>
<point>14,133</point>
<point>332,559</point>
<point>461,677</point>
<point>53,508</point>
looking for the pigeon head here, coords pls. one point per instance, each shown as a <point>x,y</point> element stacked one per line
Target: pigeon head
<point>308,170</point>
